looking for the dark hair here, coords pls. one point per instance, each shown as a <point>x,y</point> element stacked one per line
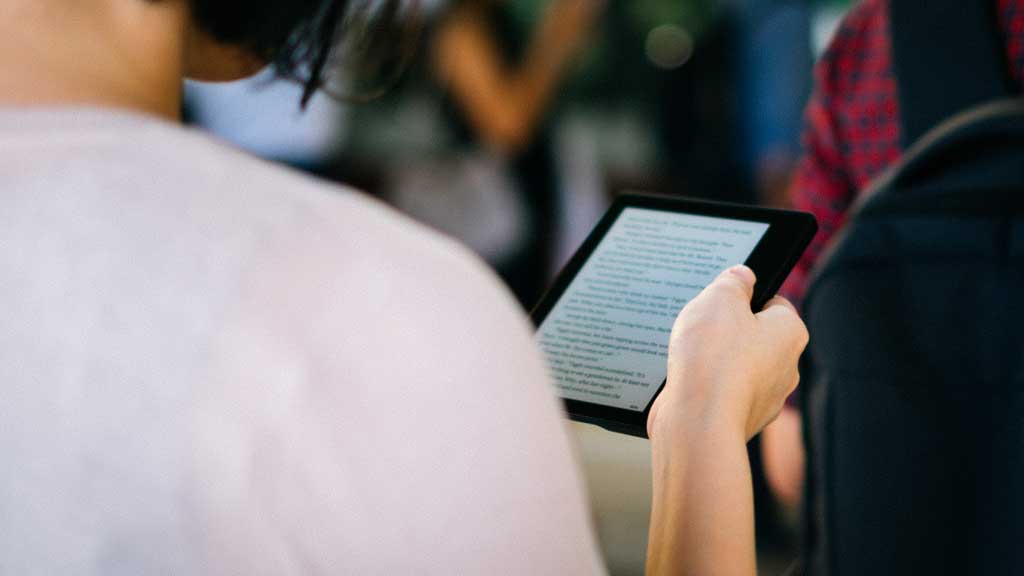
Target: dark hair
<point>306,39</point>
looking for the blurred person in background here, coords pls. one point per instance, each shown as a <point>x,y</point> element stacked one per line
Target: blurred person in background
<point>199,348</point>
<point>501,82</point>
<point>851,136</point>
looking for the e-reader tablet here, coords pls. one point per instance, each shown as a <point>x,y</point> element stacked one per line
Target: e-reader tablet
<point>604,325</point>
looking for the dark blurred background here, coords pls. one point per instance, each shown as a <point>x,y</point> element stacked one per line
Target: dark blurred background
<point>515,123</point>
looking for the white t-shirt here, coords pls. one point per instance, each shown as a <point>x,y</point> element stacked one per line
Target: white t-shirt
<point>209,364</point>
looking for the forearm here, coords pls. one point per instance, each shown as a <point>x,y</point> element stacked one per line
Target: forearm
<point>714,400</point>
<point>503,102</point>
<point>526,92</point>
<point>703,509</point>
<point>541,71</point>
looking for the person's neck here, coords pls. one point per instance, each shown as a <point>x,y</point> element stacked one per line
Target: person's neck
<point>93,53</point>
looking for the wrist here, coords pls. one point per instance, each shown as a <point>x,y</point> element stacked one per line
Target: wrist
<point>702,406</point>
<point>702,503</point>
<point>684,427</point>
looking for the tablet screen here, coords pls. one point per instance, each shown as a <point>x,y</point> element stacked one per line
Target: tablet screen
<point>606,339</point>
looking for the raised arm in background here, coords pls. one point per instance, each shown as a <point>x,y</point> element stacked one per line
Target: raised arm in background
<point>504,102</point>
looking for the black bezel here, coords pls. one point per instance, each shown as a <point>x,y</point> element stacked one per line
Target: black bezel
<point>788,235</point>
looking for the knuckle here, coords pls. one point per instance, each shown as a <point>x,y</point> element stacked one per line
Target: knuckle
<point>804,335</point>
<point>728,285</point>
<point>798,329</point>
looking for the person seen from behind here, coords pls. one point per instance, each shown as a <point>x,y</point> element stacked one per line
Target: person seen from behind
<point>216,365</point>
<point>852,135</point>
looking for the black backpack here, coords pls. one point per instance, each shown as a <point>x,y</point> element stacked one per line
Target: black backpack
<point>914,378</point>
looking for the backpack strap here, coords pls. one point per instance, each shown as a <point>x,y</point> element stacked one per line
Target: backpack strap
<point>948,56</point>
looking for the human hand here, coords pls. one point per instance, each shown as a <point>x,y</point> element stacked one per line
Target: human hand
<point>726,365</point>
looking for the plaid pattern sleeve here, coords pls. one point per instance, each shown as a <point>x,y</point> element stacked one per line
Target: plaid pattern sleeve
<point>852,128</point>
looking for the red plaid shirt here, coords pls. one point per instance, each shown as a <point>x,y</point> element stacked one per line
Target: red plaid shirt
<point>852,128</point>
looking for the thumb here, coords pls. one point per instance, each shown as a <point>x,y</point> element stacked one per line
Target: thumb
<point>739,280</point>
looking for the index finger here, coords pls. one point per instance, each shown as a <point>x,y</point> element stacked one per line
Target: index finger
<point>780,301</point>
<point>783,319</point>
